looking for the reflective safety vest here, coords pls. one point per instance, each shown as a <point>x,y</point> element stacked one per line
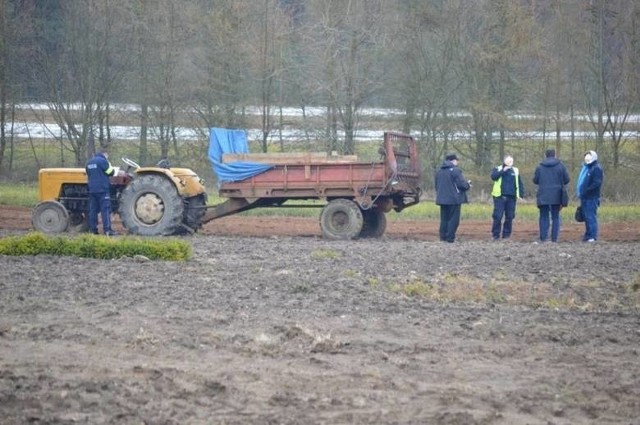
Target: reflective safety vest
<point>497,185</point>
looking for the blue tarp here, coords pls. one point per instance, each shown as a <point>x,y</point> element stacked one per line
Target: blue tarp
<point>221,141</point>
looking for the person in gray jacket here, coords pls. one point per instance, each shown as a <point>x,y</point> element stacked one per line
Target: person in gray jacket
<point>551,176</point>
<point>451,193</point>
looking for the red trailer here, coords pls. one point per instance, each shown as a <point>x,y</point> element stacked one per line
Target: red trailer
<point>356,194</point>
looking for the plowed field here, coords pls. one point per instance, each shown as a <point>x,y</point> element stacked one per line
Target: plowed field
<point>270,324</point>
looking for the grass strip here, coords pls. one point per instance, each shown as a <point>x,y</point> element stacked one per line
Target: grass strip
<point>94,246</point>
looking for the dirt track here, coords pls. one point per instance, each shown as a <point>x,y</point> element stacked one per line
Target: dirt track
<point>293,329</point>
<point>19,218</point>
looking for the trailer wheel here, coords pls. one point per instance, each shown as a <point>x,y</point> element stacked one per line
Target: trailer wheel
<point>50,217</point>
<point>375,223</point>
<point>151,206</point>
<point>341,219</point>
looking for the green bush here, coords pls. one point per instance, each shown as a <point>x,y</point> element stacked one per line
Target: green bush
<point>93,246</point>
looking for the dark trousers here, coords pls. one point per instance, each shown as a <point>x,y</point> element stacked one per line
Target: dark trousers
<point>503,206</point>
<point>99,202</point>
<point>590,212</point>
<point>545,211</point>
<point>449,221</point>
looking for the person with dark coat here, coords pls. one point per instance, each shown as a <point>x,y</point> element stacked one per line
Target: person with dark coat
<point>451,193</point>
<point>550,176</point>
<point>507,189</point>
<point>98,171</point>
<point>588,190</point>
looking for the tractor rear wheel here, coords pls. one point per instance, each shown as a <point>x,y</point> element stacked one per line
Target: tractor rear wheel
<point>341,219</point>
<point>151,206</point>
<point>50,217</point>
<point>194,210</point>
<point>375,223</point>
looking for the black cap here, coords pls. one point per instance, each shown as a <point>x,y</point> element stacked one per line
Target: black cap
<point>451,157</point>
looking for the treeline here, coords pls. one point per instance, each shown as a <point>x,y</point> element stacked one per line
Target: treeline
<point>200,63</point>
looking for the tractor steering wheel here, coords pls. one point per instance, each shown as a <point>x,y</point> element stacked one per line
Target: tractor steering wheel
<point>130,163</point>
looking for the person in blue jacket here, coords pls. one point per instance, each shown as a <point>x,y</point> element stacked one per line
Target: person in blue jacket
<point>98,172</point>
<point>550,176</point>
<point>451,193</point>
<point>507,189</point>
<point>588,190</point>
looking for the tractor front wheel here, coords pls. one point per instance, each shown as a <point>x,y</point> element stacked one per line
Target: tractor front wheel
<point>341,219</point>
<point>50,217</point>
<point>151,206</point>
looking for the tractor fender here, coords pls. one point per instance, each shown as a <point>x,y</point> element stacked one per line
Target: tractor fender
<point>187,183</point>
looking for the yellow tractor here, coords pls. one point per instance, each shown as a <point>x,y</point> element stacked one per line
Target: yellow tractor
<point>151,201</point>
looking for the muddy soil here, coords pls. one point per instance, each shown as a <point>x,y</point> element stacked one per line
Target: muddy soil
<point>290,329</point>
<point>19,218</point>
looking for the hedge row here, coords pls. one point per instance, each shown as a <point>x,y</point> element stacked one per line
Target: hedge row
<point>92,246</point>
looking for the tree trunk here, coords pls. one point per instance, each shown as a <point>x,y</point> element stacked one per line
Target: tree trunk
<point>143,151</point>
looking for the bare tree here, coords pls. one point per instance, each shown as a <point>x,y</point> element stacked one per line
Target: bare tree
<point>346,42</point>
<point>15,28</point>
<point>222,67</point>
<point>170,39</point>
<point>610,85</point>
<point>268,37</point>
<point>4,78</point>
<point>140,62</point>
<point>560,68</point>
<point>82,73</point>
<point>497,38</point>
<point>422,71</point>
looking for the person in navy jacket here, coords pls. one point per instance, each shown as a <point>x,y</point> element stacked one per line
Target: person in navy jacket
<point>551,176</point>
<point>588,190</point>
<point>98,172</point>
<point>451,193</point>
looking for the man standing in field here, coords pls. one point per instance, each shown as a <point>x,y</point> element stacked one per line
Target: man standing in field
<point>588,190</point>
<point>451,193</point>
<point>98,172</point>
<point>507,189</point>
<point>551,175</point>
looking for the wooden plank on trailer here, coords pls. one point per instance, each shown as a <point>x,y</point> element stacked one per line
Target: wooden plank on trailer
<point>289,158</point>
<point>272,157</point>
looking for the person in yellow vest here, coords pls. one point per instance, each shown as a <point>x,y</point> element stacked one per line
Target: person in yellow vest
<point>507,189</point>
